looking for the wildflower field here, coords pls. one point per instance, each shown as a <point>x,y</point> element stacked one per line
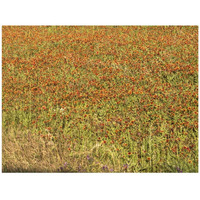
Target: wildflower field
<point>100,99</point>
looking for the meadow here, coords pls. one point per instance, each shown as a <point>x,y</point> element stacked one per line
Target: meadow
<point>100,99</point>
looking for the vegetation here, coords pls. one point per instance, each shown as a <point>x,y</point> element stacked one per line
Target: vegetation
<point>100,98</point>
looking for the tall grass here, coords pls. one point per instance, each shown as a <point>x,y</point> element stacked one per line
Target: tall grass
<point>100,99</point>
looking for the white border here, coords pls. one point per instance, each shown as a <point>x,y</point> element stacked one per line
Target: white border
<point>104,12</point>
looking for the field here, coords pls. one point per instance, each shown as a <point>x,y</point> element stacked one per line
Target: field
<point>100,99</point>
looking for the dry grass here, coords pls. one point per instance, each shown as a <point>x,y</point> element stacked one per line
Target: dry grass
<point>27,152</point>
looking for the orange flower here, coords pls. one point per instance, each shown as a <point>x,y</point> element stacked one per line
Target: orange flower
<point>48,128</point>
<point>44,107</point>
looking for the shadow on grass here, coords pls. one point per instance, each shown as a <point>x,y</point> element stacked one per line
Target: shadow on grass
<point>33,170</point>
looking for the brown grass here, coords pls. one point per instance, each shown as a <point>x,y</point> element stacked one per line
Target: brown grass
<point>27,152</point>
